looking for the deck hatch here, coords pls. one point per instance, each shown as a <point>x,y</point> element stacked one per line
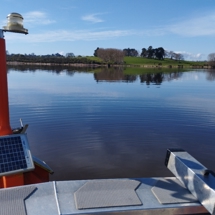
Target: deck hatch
<point>107,193</point>
<point>12,200</point>
<point>171,191</point>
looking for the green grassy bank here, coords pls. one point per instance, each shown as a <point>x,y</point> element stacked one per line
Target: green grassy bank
<point>166,62</point>
<point>145,62</point>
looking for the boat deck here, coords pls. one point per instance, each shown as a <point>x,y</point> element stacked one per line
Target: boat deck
<point>104,196</point>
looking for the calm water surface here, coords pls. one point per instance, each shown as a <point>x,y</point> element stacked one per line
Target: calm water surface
<point>110,125</point>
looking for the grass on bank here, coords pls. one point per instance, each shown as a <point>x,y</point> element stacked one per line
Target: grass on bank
<point>138,61</point>
<point>134,65</point>
<point>165,62</point>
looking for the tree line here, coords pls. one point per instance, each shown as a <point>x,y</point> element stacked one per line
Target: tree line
<point>108,56</point>
<point>117,55</point>
<point>57,58</point>
<point>211,59</point>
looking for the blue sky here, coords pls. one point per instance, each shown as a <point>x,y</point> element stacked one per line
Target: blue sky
<point>80,26</point>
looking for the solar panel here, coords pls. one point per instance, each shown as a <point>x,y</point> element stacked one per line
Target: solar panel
<point>15,155</point>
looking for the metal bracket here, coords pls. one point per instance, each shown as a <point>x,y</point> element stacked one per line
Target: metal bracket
<point>194,176</point>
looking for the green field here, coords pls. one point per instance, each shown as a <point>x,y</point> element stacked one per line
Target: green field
<point>165,62</point>
<point>139,61</point>
<point>139,65</point>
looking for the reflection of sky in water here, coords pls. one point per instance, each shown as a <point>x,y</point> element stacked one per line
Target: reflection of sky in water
<point>106,126</point>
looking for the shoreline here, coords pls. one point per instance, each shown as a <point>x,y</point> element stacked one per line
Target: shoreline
<point>181,66</point>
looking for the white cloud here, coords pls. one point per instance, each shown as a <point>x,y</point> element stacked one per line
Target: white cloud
<point>197,26</point>
<point>191,56</point>
<point>32,18</point>
<point>37,18</point>
<point>63,35</point>
<point>92,18</point>
<point>61,52</point>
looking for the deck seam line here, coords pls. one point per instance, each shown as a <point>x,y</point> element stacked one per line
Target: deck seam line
<point>56,197</point>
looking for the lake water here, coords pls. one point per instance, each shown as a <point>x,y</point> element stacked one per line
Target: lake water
<point>111,125</point>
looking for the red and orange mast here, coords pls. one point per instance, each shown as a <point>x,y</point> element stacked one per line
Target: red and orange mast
<point>14,24</point>
<point>42,170</point>
<point>5,128</point>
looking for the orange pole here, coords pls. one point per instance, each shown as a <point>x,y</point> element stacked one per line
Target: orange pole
<point>5,128</point>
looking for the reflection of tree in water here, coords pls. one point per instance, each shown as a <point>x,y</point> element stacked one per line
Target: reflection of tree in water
<point>210,75</point>
<point>130,78</point>
<point>158,78</point>
<point>172,76</point>
<point>48,68</point>
<point>114,74</point>
<point>151,78</point>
